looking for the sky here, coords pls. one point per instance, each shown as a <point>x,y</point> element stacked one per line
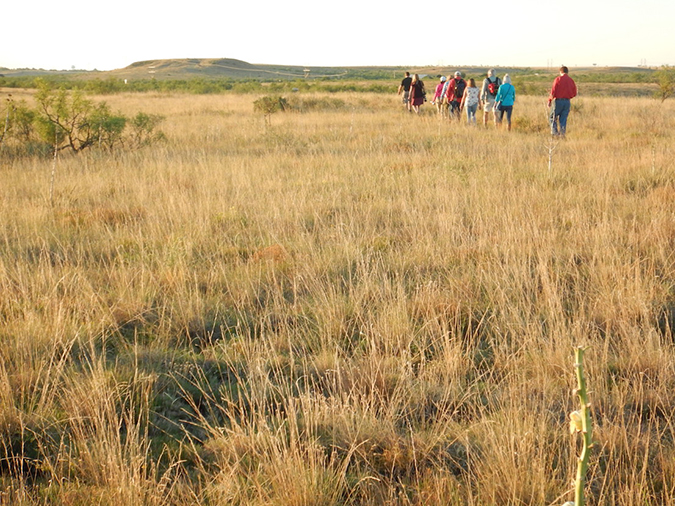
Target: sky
<point>88,35</point>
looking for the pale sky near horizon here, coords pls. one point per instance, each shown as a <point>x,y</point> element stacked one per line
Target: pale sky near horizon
<point>527,33</point>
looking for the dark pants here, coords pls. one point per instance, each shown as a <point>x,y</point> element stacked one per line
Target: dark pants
<point>454,109</point>
<point>560,109</point>
<point>505,109</point>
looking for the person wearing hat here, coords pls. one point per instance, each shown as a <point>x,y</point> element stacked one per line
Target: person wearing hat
<point>488,93</point>
<point>441,105</point>
<point>454,92</point>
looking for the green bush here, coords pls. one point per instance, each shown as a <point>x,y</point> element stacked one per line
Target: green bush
<point>68,120</point>
<point>665,77</point>
<point>65,119</point>
<point>106,126</point>
<point>143,129</point>
<point>268,105</point>
<point>22,121</point>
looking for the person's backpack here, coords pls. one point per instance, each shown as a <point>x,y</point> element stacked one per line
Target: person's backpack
<point>459,88</point>
<point>493,87</point>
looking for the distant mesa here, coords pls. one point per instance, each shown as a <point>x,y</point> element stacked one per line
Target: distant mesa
<point>207,67</point>
<point>188,68</point>
<point>224,68</point>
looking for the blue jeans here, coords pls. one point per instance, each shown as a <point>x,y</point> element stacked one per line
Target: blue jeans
<point>559,112</point>
<point>471,113</point>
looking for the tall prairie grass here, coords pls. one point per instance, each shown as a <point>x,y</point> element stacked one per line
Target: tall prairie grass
<point>351,305</point>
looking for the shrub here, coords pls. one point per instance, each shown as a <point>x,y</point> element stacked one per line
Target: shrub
<point>69,120</point>
<point>665,77</point>
<point>143,129</point>
<point>107,127</point>
<point>268,105</point>
<point>66,120</point>
<point>22,122</point>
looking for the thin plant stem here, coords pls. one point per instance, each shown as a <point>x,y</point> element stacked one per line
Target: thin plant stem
<point>53,174</point>
<point>586,428</point>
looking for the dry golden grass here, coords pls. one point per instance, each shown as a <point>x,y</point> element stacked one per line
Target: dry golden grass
<point>350,306</point>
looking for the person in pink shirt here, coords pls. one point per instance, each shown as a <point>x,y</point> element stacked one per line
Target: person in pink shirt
<point>438,101</point>
<point>563,90</point>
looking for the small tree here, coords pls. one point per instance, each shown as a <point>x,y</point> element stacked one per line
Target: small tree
<point>268,105</point>
<point>61,118</point>
<point>665,77</point>
<point>65,120</point>
<point>69,120</point>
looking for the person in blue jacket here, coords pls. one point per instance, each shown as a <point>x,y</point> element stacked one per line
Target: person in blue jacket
<point>506,97</point>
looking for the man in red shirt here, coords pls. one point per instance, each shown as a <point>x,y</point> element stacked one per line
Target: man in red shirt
<point>454,90</point>
<point>562,91</point>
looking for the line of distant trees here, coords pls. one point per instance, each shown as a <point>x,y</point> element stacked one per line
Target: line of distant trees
<point>528,81</point>
<point>199,86</point>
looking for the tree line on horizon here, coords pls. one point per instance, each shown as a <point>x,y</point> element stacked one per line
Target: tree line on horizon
<point>527,80</point>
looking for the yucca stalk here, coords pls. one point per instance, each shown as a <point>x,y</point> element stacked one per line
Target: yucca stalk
<point>580,421</point>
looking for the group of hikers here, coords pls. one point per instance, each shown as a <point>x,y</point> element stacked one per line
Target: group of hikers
<point>497,96</point>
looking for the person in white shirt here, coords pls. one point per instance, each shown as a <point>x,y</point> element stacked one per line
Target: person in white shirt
<point>471,101</point>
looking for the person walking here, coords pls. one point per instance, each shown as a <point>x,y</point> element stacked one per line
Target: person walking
<point>506,97</point>
<point>563,90</point>
<point>488,93</point>
<point>471,101</point>
<point>438,101</point>
<point>417,93</point>
<point>454,92</point>
<point>404,90</point>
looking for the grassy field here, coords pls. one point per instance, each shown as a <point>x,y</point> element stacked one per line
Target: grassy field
<point>350,306</point>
